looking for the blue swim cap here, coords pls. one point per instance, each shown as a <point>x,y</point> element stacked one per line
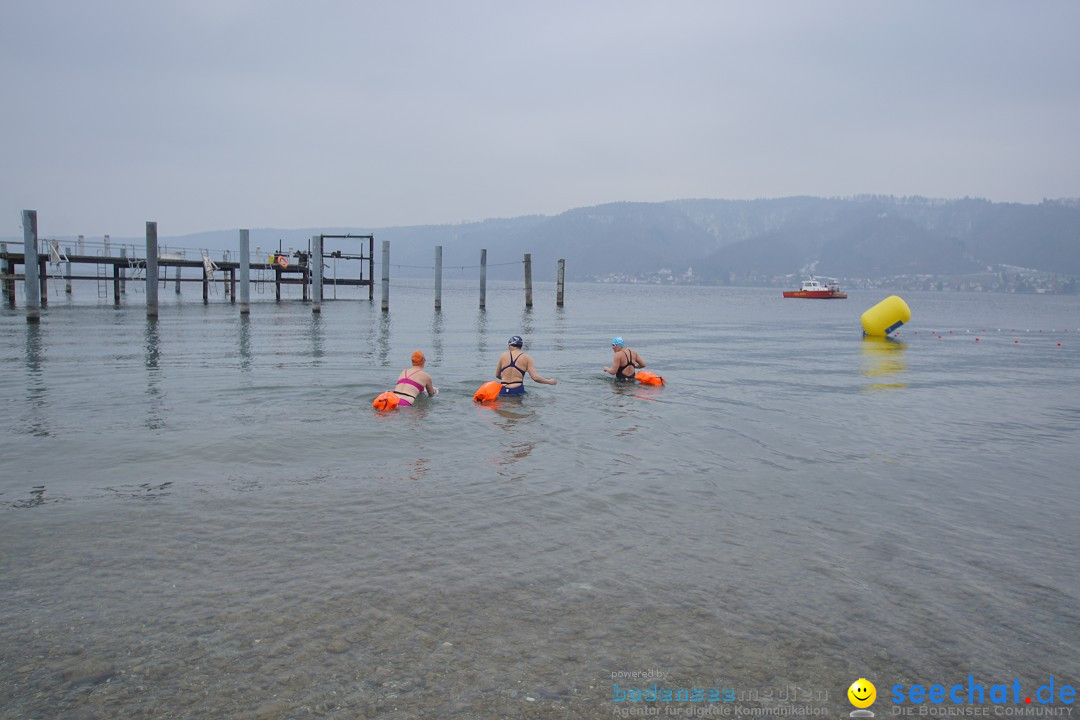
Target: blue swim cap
<point>617,341</point>
<point>515,341</point>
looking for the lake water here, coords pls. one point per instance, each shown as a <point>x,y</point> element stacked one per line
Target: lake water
<point>202,516</point>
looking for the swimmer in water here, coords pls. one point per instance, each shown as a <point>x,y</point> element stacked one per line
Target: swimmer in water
<point>413,381</point>
<point>626,363</point>
<point>512,368</point>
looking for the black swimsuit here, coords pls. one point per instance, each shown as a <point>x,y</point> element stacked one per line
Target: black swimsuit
<point>520,384</point>
<point>619,373</point>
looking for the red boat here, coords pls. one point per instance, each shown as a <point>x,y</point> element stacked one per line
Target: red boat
<point>817,290</point>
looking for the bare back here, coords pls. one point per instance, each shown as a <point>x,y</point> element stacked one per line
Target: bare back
<point>413,381</point>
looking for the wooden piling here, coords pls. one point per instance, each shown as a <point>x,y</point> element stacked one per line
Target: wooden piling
<point>561,283</point>
<point>438,277</point>
<point>7,286</point>
<point>151,270</point>
<point>67,277</point>
<point>116,284</point>
<point>483,279</point>
<point>123,275</point>
<point>43,276</point>
<point>245,272</point>
<point>385,275</point>
<point>316,274</point>
<point>177,279</point>
<point>31,289</point>
<point>528,280</point>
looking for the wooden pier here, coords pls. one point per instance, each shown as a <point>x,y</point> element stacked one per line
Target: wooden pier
<point>294,268</point>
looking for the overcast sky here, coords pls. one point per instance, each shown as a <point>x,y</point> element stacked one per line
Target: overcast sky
<point>218,114</point>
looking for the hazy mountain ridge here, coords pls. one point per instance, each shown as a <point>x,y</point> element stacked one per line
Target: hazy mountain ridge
<point>859,237</point>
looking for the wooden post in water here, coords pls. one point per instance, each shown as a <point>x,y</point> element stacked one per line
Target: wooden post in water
<point>438,277</point>
<point>116,284</point>
<point>178,268</point>
<point>7,289</point>
<point>316,274</point>
<point>31,289</point>
<point>151,270</point>
<point>385,275</point>
<point>67,279</point>
<point>483,279</point>
<point>245,273</point>
<point>305,274</point>
<point>43,276</point>
<point>123,275</point>
<point>562,282</point>
<point>528,280</point>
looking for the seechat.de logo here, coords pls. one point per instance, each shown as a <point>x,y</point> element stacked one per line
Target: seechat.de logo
<point>862,695</point>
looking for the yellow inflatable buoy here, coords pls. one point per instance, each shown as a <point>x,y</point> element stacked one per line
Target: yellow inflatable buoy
<point>886,317</point>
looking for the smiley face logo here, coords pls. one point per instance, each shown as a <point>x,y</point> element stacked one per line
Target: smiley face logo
<point>862,693</point>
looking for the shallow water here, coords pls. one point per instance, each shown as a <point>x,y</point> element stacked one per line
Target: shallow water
<point>203,517</point>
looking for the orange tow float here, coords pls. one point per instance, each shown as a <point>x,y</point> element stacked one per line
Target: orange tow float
<point>487,392</point>
<point>647,378</point>
<point>385,402</point>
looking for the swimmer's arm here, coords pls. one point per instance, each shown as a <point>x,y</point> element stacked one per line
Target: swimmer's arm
<point>638,362</point>
<point>536,376</point>
<point>430,387</point>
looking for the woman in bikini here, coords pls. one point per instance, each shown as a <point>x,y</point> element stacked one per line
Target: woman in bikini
<point>413,381</point>
<point>512,367</point>
<point>626,363</point>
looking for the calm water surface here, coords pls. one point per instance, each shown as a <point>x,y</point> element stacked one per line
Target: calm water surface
<point>203,517</point>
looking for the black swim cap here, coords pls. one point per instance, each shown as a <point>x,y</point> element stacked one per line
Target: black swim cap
<point>515,341</point>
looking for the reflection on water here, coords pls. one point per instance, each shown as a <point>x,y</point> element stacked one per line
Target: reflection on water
<point>437,323</point>
<point>382,340</point>
<point>244,338</point>
<point>417,469</point>
<point>316,330</point>
<point>558,342</point>
<point>883,363</point>
<point>152,343</point>
<point>155,415</point>
<point>526,324</point>
<point>37,386</point>
<point>515,419</point>
<point>481,331</point>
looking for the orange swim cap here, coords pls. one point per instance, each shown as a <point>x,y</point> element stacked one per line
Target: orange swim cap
<point>418,358</point>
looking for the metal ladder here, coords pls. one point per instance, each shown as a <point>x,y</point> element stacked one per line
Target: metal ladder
<point>102,276</point>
